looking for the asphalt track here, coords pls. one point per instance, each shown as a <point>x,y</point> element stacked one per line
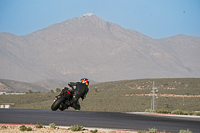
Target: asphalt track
<point>109,120</point>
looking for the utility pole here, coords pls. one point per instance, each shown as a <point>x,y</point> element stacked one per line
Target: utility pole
<point>154,95</point>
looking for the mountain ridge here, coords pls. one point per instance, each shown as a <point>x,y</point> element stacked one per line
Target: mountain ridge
<point>90,47</point>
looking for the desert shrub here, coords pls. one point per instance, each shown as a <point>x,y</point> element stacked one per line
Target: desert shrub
<point>94,131</point>
<point>164,132</point>
<point>150,110</point>
<point>185,131</point>
<point>39,126</point>
<point>29,129</point>
<point>163,111</point>
<point>198,114</point>
<point>153,130</point>
<point>178,112</point>
<point>24,128</point>
<point>30,91</point>
<point>185,113</point>
<point>141,132</point>
<point>191,113</point>
<point>3,127</point>
<point>76,128</point>
<point>52,125</point>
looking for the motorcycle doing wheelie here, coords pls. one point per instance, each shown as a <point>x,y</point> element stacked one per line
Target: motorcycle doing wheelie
<point>63,100</point>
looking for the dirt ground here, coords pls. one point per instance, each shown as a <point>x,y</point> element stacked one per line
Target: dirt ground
<point>16,129</point>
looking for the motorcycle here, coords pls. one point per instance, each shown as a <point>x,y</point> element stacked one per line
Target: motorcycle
<point>63,100</point>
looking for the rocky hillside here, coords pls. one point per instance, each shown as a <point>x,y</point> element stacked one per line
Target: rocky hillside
<point>90,47</point>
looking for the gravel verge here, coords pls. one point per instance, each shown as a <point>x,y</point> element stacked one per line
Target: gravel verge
<point>47,129</point>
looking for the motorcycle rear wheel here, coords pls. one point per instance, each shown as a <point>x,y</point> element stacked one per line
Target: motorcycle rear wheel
<point>57,103</point>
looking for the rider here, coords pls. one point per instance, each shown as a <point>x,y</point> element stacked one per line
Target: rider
<point>80,91</point>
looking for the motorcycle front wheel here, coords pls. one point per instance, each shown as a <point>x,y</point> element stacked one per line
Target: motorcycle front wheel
<point>57,103</point>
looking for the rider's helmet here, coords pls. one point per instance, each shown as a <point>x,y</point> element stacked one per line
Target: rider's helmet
<point>85,81</point>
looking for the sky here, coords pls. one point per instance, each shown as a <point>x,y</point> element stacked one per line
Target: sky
<point>154,18</point>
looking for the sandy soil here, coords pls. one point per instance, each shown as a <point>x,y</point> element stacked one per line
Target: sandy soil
<point>16,129</point>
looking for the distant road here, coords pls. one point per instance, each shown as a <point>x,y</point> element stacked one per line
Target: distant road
<point>112,120</point>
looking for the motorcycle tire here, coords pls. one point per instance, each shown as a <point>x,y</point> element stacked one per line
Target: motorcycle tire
<point>57,103</point>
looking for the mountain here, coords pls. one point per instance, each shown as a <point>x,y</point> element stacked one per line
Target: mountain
<point>90,47</point>
<point>16,86</point>
<point>39,86</point>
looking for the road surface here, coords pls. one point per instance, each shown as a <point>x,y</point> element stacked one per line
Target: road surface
<point>110,120</point>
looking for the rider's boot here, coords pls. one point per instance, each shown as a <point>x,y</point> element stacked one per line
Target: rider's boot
<point>76,106</point>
